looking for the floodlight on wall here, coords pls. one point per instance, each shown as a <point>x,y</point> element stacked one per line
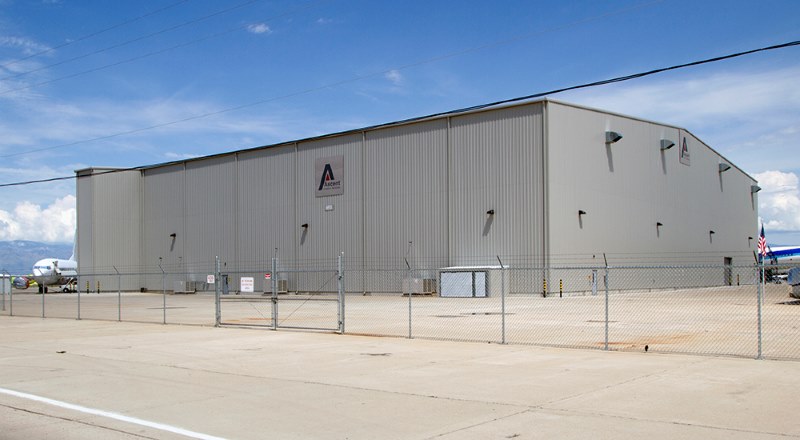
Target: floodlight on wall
<point>711,232</point>
<point>581,212</point>
<point>724,167</point>
<point>490,212</point>
<point>659,224</point>
<point>755,188</point>
<point>666,144</point>
<point>612,137</point>
<point>304,226</point>
<point>173,235</point>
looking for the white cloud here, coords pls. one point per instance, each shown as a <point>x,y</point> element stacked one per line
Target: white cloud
<point>751,117</point>
<point>779,200</point>
<point>26,45</point>
<point>52,224</point>
<point>324,21</point>
<point>395,77</point>
<point>179,156</point>
<point>259,28</point>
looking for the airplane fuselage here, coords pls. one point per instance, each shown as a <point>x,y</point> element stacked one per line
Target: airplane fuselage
<point>50,271</point>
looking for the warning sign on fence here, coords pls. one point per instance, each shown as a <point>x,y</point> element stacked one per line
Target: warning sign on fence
<point>247,284</point>
<point>267,276</point>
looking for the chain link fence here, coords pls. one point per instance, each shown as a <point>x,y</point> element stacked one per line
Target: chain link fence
<point>695,309</point>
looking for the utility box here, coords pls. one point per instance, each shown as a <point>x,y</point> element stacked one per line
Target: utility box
<point>794,282</point>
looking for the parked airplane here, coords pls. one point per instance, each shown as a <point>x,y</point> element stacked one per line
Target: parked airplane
<point>783,254</point>
<point>50,271</point>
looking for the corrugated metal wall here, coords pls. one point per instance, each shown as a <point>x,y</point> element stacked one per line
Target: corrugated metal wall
<point>163,214</point>
<point>266,208</point>
<point>109,228</point>
<point>406,195</point>
<point>85,212</point>
<point>335,223</point>
<point>211,215</point>
<point>496,164</point>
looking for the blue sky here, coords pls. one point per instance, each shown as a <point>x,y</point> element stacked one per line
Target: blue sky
<point>272,71</point>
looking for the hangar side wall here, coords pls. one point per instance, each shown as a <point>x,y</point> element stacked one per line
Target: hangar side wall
<point>496,164</point>
<point>267,218</point>
<point>163,214</point>
<point>649,186</point>
<point>109,228</point>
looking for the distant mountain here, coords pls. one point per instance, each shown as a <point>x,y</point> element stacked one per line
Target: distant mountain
<point>17,257</point>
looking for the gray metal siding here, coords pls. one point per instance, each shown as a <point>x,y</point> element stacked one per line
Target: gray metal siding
<point>211,213</point>
<point>626,188</point>
<point>266,218</point>
<point>118,235</point>
<point>406,195</point>
<point>163,214</point>
<point>496,164</point>
<point>85,214</point>
<point>339,230</point>
<point>334,231</point>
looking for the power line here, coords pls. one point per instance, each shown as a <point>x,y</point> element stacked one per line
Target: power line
<point>301,92</point>
<point>153,53</point>
<point>133,40</point>
<point>93,34</point>
<point>405,121</point>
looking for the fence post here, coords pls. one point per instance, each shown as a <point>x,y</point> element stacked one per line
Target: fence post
<point>163,290</point>
<point>274,279</point>
<point>11,303</point>
<point>760,300</point>
<point>217,305</point>
<point>605,281</point>
<point>119,294</point>
<point>79,304</point>
<point>4,287</point>
<point>341,293</point>
<point>408,284</point>
<point>502,301</point>
<point>44,290</point>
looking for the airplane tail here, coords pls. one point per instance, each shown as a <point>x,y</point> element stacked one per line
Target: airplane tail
<point>74,248</point>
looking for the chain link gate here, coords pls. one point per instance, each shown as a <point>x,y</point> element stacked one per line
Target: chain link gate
<point>300,298</point>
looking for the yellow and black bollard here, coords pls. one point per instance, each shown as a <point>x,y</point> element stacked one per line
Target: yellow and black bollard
<point>98,286</point>
<point>544,287</point>
<point>87,286</point>
<point>560,288</point>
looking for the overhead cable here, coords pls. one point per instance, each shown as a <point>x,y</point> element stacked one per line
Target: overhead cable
<point>405,121</point>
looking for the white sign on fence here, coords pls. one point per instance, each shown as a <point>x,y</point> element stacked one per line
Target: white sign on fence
<point>247,284</point>
<point>210,279</point>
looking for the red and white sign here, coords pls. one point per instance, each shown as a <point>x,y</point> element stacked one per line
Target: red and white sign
<point>267,276</point>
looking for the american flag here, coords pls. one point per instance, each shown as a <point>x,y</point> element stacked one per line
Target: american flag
<point>762,243</point>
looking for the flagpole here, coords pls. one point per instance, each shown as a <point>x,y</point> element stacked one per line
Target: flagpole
<point>762,244</point>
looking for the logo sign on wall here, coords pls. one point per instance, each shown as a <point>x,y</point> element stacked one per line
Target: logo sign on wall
<point>684,153</point>
<point>329,175</point>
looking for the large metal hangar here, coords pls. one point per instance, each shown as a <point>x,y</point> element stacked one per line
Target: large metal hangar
<point>540,184</point>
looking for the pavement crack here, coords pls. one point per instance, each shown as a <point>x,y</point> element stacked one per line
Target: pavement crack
<point>82,422</point>
<point>668,422</point>
<point>475,425</point>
